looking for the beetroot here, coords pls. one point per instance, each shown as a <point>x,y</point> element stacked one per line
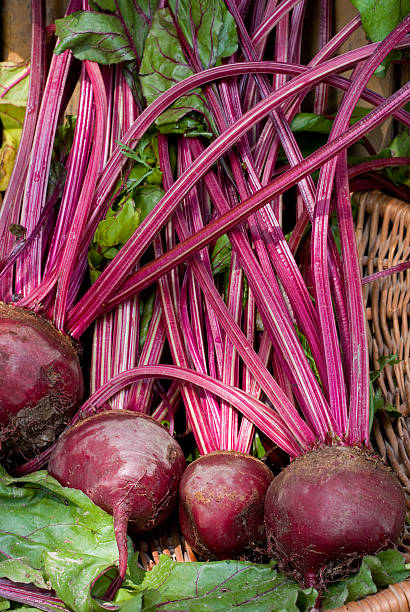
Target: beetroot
<point>221,503</point>
<point>41,383</point>
<point>127,463</point>
<point>328,509</point>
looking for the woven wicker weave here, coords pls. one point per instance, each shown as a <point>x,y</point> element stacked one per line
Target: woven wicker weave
<point>383,240</point>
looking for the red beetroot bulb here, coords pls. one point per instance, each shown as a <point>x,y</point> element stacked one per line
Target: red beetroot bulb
<point>41,383</point>
<point>221,503</point>
<point>127,463</point>
<point>328,509</point>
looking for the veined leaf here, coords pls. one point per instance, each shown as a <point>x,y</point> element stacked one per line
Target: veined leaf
<point>8,151</point>
<point>379,18</point>
<point>220,586</point>
<point>208,27</point>
<point>163,64</point>
<point>98,37</point>
<point>107,37</point>
<point>387,567</point>
<point>56,535</point>
<point>14,79</point>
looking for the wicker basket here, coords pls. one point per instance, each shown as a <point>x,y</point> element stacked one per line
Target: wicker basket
<point>383,240</point>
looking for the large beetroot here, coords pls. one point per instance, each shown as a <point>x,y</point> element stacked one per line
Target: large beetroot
<point>328,509</point>
<point>127,463</point>
<point>41,383</point>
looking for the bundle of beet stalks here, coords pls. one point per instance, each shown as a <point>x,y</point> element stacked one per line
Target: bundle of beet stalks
<point>179,276</point>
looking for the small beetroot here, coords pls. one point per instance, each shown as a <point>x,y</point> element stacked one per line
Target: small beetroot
<point>221,503</point>
<point>127,463</point>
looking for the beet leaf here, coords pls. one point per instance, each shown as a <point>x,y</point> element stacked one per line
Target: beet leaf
<point>56,536</point>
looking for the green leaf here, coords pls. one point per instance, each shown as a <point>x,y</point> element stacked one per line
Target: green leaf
<point>220,586</point>
<point>376,400</point>
<point>221,255</point>
<point>318,124</point>
<point>310,122</point>
<point>208,27</point>
<point>137,22</point>
<point>8,152</point>
<point>147,308</point>
<point>209,30</point>
<point>18,571</point>
<point>192,125</point>
<point>387,567</point>
<point>145,198</point>
<point>55,534</point>
<point>258,449</point>
<point>94,36</point>
<point>103,5</point>
<point>164,64</point>
<point>399,147</point>
<point>142,192</point>
<point>14,80</point>
<point>118,226</point>
<point>383,362</point>
<point>379,18</point>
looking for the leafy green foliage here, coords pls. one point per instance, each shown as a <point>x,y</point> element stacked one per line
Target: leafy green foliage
<point>399,147</point>
<point>387,567</point>
<point>310,122</point>
<point>221,255</point>
<point>208,27</point>
<point>103,5</point>
<point>13,97</point>
<point>379,18</point>
<point>105,37</point>
<point>208,30</point>
<point>111,234</point>
<point>309,356</point>
<point>146,309</point>
<point>311,129</point>
<point>94,36</point>
<point>142,192</point>
<point>376,399</point>
<point>62,145</point>
<point>192,125</point>
<point>214,586</point>
<point>163,64</point>
<point>53,537</point>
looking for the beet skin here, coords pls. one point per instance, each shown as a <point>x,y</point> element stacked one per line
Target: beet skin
<point>127,463</point>
<point>41,383</point>
<point>221,503</point>
<point>328,509</point>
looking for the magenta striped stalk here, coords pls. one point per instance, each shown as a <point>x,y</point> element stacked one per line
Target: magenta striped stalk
<point>140,395</point>
<point>114,275</point>
<point>358,429</point>
<point>10,209</point>
<point>260,414</point>
<point>152,271</point>
<point>273,391</point>
<point>78,159</point>
<point>28,268</point>
<point>333,378</point>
